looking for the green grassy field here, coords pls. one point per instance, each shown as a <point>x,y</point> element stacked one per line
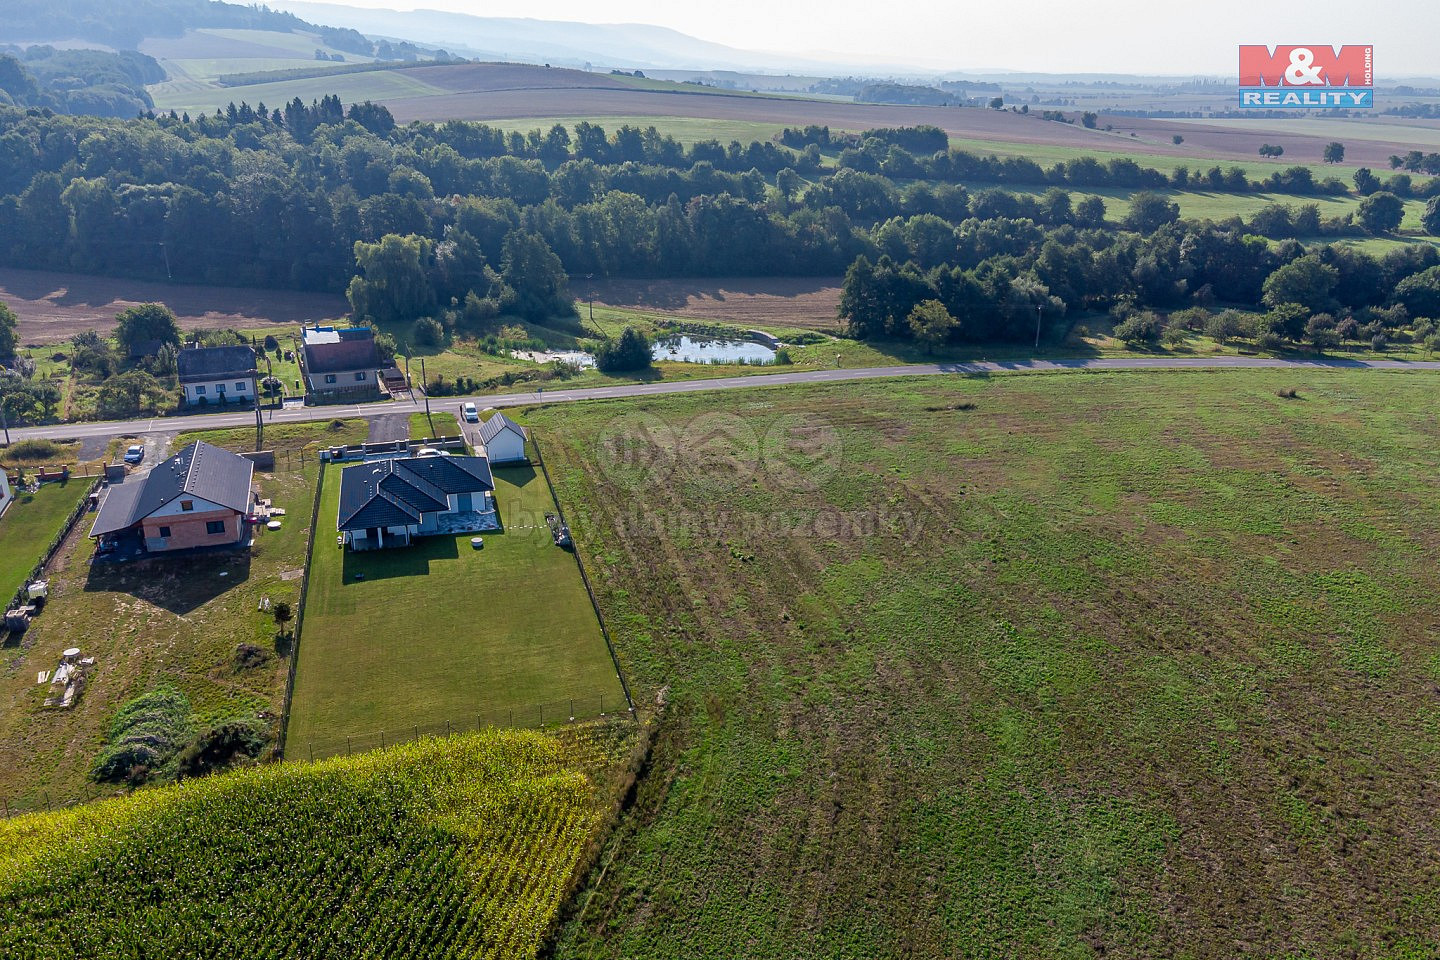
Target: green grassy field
<point>439,849</point>
<point>440,633</point>
<point>27,527</point>
<point>204,96</point>
<point>1056,666</point>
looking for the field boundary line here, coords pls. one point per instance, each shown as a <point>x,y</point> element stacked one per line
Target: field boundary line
<point>300,614</point>
<point>584,578</point>
<point>37,571</point>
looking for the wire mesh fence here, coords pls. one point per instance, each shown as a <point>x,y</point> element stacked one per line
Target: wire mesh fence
<point>555,713</point>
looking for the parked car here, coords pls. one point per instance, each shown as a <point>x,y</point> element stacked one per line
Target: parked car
<point>134,453</point>
<point>471,414</point>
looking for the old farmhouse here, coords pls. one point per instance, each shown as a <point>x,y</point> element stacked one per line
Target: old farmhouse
<point>387,503</point>
<point>340,363</point>
<point>198,498</point>
<point>217,374</point>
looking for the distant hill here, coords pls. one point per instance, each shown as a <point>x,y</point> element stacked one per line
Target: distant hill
<point>629,45</point>
<point>124,25</point>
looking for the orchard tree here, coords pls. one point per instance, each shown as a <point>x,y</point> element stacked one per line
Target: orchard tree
<point>932,325</point>
<point>148,323</point>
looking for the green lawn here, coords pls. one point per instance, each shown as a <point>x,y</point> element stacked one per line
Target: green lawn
<point>444,424</point>
<point>27,527</point>
<point>440,632</point>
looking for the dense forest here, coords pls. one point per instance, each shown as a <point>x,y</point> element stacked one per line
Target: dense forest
<point>78,81</point>
<point>124,25</point>
<point>428,216</point>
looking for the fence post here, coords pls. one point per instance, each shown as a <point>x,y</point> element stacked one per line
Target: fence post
<point>347,744</point>
<point>312,751</point>
<point>382,739</point>
<point>417,731</point>
<point>47,799</point>
<point>572,711</point>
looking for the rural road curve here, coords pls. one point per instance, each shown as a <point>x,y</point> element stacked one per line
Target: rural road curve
<point>112,428</point>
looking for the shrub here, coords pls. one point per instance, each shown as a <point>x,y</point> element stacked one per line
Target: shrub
<point>630,351</point>
<point>32,450</point>
<point>221,747</point>
<point>428,332</point>
<point>782,357</point>
<point>271,344</point>
<point>1140,328</point>
<point>248,656</point>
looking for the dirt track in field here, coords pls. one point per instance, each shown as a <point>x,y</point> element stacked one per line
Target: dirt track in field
<point>56,306</point>
<point>808,302</point>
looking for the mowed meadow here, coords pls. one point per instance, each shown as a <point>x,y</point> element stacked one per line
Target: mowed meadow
<point>1048,666</point>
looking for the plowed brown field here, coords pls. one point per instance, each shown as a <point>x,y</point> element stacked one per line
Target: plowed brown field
<point>56,306</point>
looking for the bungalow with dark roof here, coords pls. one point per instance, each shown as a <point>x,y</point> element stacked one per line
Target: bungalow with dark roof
<point>340,362</point>
<point>217,374</point>
<point>197,498</point>
<point>387,503</point>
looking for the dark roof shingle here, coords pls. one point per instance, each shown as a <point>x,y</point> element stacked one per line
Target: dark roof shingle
<point>387,493</point>
<point>200,470</point>
<point>215,363</point>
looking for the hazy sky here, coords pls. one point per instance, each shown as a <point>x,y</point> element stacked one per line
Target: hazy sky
<point>1118,36</point>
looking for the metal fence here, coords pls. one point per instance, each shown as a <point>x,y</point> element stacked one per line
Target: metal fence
<point>576,709</point>
<point>300,615</point>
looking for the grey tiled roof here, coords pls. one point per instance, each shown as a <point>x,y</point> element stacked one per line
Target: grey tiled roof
<point>200,470</point>
<point>387,493</point>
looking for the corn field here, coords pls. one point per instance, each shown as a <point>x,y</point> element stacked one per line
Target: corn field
<point>461,847</point>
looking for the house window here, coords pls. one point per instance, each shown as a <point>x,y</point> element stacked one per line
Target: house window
<point>187,504</point>
<point>329,378</point>
<point>239,386</point>
<point>360,375</point>
<point>200,389</point>
<point>212,527</point>
<point>164,533</point>
<point>219,388</point>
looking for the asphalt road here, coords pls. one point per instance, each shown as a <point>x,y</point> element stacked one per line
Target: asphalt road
<point>113,428</point>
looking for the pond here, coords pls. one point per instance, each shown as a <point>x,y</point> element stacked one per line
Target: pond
<point>687,349</point>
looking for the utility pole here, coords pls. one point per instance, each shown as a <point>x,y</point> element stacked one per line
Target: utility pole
<point>259,428</point>
<point>1038,309</point>
<point>4,422</point>
<point>166,251</point>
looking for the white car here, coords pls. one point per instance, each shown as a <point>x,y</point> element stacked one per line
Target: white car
<point>470,413</point>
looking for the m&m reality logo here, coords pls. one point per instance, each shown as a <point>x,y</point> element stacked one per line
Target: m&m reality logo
<point>1308,77</point>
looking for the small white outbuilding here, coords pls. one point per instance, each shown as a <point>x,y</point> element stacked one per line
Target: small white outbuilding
<point>504,439</point>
